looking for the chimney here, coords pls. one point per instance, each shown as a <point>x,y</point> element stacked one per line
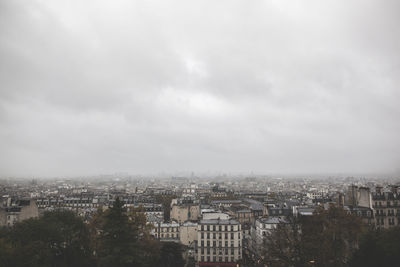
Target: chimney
<point>394,189</point>
<point>378,189</point>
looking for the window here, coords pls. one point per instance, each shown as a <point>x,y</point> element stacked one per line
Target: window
<point>202,258</point>
<point>202,235</point>
<point>202,228</point>
<point>232,235</point>
<point>226,243</point>
<point>226,235</point>
<point>213,227</point>
<point>226,227</point>
<point>214,235</point>
<point>208,235</point>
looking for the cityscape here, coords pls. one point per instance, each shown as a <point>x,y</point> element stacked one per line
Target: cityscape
<point>212,133</point>
<point>213,221</point>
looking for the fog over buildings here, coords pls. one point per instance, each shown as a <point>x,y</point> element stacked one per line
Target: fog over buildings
<point>90,87</point>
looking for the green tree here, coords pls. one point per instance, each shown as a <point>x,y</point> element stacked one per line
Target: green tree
<point>59,238</point>
<point>118,244</point>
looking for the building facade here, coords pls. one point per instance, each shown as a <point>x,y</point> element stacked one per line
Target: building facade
<point>219,243</point>
<point>16,211</point>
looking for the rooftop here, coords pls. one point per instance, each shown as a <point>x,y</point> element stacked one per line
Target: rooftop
<point>216,221</point>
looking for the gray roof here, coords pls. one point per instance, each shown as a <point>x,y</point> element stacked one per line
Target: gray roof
<point>216,221</point>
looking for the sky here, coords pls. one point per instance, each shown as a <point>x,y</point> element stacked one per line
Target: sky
<point>94,87</point>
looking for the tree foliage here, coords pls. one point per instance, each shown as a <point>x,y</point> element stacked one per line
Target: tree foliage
<point>328,238</point>
<point>171,255</point>
<point>59,238</point>
<point>378,248</point>
<point>166,200</point>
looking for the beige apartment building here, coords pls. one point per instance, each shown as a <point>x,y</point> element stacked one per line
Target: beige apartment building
<point>219,242</point>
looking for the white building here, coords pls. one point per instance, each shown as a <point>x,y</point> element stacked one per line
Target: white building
<point>219,241</point>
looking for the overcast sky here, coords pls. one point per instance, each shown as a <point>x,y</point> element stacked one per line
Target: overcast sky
<point>90,87</point>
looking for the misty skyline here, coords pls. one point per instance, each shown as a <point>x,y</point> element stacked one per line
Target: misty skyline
<point>91,87</point>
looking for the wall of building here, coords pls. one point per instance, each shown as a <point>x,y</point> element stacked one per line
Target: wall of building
<point>183,213</point>
<point>188,233</point>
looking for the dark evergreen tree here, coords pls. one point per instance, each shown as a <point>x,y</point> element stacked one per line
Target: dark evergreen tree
<point>119,244</point>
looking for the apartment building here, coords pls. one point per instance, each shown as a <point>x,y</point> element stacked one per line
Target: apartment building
<point>386,206</point>
<point>13,211</point>
<point>166,232</point>
<point>185,209</point>
<point>219,242</point>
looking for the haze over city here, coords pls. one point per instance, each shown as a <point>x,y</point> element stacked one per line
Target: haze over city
<point>92,87</point>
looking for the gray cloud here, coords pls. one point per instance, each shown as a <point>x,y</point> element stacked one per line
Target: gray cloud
<point>89,87</point>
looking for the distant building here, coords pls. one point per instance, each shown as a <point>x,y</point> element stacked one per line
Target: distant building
<point>14,211</point>
<point>386,207</point>
<point>219,243</point>
<point>358,197</point>
<point>168,232</point>
<point>185,209</point>
<point>214,215</point>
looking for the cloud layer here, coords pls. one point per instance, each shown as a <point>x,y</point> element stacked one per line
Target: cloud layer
<point>91,87</point>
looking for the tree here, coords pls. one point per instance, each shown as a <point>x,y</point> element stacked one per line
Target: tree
<point>166,200</point>
<point>378,248</point>
<point>118,244</point>
<point>171,255</point>
<point>284,247</point>
<point>59,238</point>
<point>328,238</point>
